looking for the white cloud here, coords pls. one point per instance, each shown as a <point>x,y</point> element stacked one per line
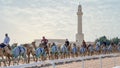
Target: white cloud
<point>30,20</point>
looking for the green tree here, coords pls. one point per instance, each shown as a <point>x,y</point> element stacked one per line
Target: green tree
<point>103,39</point>
<point>115,40</point>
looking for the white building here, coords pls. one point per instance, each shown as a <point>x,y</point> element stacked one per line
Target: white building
<point>79,35</point>
<point>57,41</point>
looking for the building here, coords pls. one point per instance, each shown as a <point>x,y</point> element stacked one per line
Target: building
<point>57,41</point>
<point>79,35</point>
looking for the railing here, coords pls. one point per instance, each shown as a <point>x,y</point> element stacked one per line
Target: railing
<point>82,59</point>
<point>117,67</point>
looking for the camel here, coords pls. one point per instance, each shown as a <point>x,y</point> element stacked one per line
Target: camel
<point>54,51</point>
<point>63,51</point>
<point>8,54</point>
<point>110,48</point>
<point>90,49</point>
<point>97,49</point>
<point>83,49</point>
<point>33,48</point>
<point>46,48</point>
<point>15,53</point>
<point>69,50</point>
<point>74,50</point>
<point>50,53</point>
<point>40,53</point>
<point>2,56</point>
<point>30,51</point>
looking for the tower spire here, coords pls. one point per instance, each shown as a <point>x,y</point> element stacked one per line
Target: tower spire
<point>79,35</point>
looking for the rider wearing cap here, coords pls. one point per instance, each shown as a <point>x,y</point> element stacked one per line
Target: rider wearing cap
<point>5,42</point>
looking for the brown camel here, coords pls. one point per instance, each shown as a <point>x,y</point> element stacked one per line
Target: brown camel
<point>30,51</point>
<point>2,56</point>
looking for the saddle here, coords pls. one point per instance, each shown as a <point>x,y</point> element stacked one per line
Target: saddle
<point>2,45</point>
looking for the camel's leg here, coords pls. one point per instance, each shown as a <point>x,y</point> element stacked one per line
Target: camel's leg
<point>76,55</point>
<point>18,60</point>
<point>28,59</point>
<point>92,53</point>
<point>4,61</point>
<point>33,57</point>
<point>0,63</point>
<point>64,55</point>
<point>14,61</point>
<point>24,59</point>
<point>69,55</point>
<point>9,60</point>
<point>72,55</point>
<point>61,55</point>
<point>56,57</point>
<point>36,59</point>
<point>49,56</point>
<point>42,58</point>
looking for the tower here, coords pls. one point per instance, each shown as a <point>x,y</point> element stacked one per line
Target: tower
<point>79,35</point>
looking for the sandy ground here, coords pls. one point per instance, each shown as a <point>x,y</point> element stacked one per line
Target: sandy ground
<point>92,63</point>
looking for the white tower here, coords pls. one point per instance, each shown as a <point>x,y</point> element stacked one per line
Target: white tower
<point>79,35</point>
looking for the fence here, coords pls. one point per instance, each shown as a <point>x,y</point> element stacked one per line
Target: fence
<point>81,59</point>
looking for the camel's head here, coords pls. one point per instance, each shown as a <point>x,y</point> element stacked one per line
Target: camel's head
<point>14,45</point>
<point>33,42</point>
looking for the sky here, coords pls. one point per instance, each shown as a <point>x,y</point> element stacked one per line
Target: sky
<point>27,20</point>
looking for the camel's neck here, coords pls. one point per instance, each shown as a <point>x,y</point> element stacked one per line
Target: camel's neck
<point>34,46</point>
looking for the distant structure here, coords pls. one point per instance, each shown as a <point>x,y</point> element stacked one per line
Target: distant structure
<point>79,35</point>
<point>57,41</point>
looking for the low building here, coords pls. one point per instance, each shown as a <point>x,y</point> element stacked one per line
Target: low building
<point>57,41</point>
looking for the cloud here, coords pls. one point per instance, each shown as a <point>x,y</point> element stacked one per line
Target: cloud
<point>29,20</point>
<point>52,22</point>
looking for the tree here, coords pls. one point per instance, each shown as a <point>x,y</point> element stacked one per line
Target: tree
<point>115,40</point>
<point>103,39</point>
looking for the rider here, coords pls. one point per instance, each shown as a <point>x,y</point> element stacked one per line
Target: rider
<point>84,44</point>
<point>67,43</point>
<point>119,43</point>
<point>54,47</point>
<point>104,43</point>
<point>44,41</point>
<point>98,43</point>
<point>5,42</point>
